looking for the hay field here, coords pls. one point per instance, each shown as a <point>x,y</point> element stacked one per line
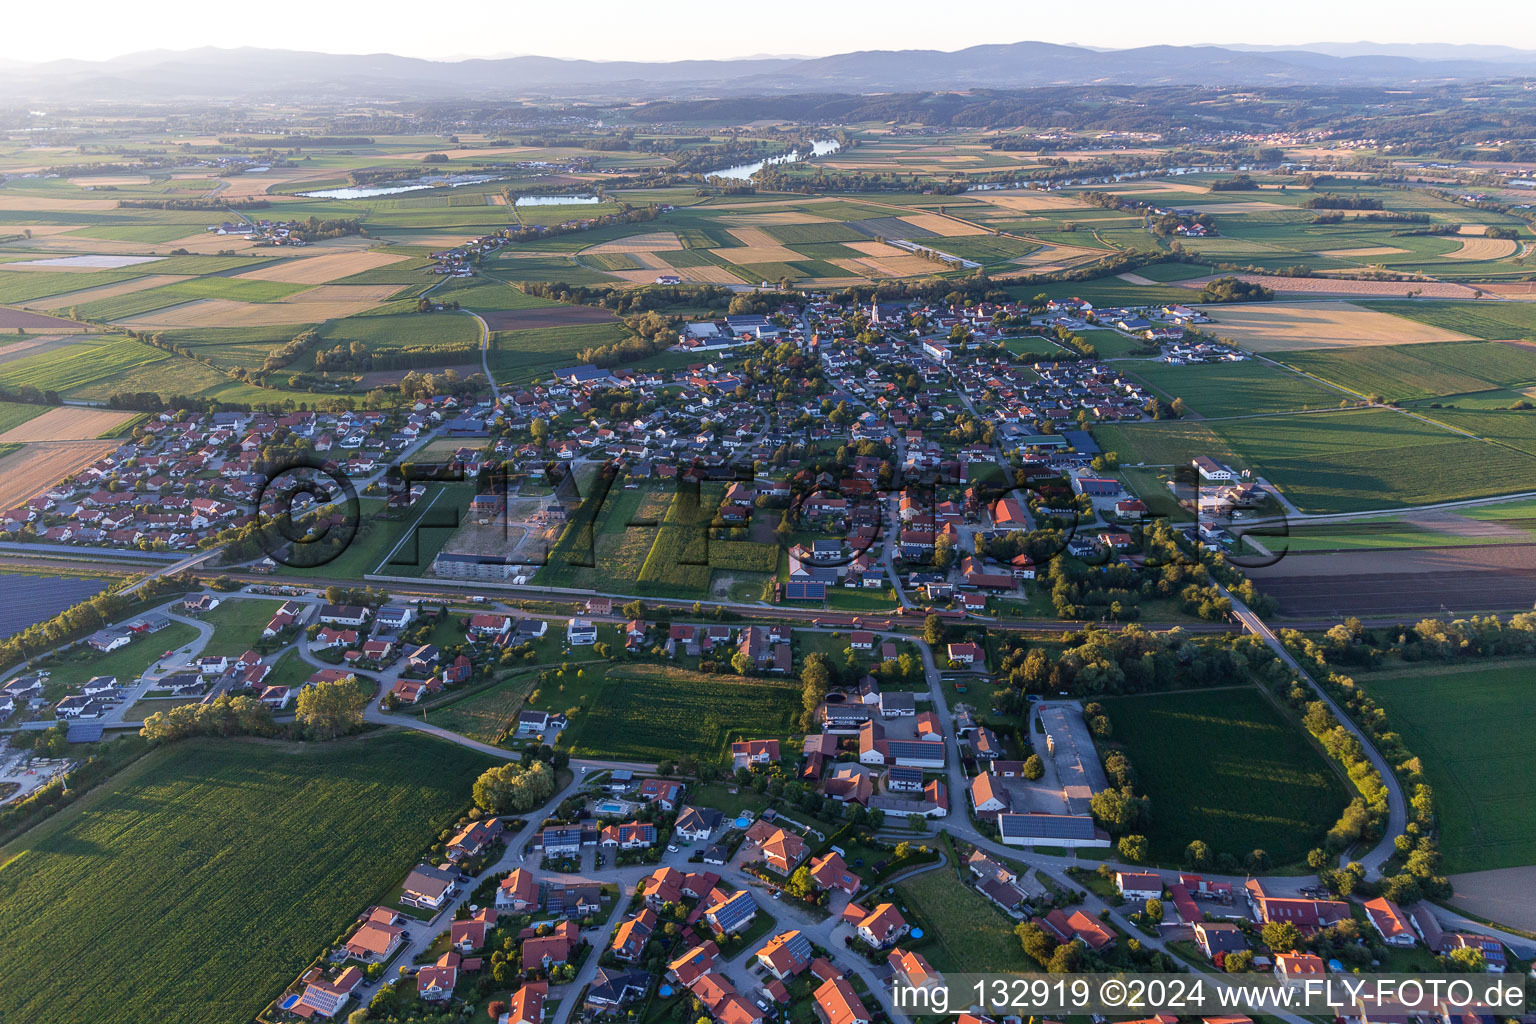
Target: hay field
<point>205,242</point>
<point>33,346</point>
<point>1136,279</point>
<point>1052,257</point>
<point>1325,286</point>
<point>108,291</point>
<point>325,302</point>
<point>1293,327</point>
<point>110,179</point>
<point>1240,206</point>
<point>68,423</point>
<point>332,266</point>
<point>888,266</point>
<point>1030,202</point>
<point>651,241</point>
<point>935,224</point>
<point>34,204</point>
<point>1472,229</point>
<point>1369,250</point>
<point>777,217</point>
<point>37,467</point>
<point>1483,249</point>
<point>774,253</point>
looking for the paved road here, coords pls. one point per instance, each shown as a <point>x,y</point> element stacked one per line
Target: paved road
<point>1397,807</point>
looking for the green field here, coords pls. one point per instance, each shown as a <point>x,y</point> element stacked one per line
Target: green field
<point>1470,725</point>
<point>651,712</point>
<point>1480,319</point>
<point>207,874</point>
<point>680,554</point>
<point>1403,372</point>
<point>522,356</point>
<point>1235,389</point>
<point>14,414</point>
<point>90,359</point>
<point>1225,766</point>
<point>237,624</point>
<point>1335,461</point>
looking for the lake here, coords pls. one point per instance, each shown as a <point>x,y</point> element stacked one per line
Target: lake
<point>744,172</point>
<point>418,185</point>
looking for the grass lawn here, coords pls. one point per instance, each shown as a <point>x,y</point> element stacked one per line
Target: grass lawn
<point>481,716</point>
<point>126,663</point>
<point>719,796</point>
<point>237,625</point>
<point>1226,767</point>
<point>1471,725</point>
<point>650,712</point>
<point>207,874</point>
<point>963,930</point>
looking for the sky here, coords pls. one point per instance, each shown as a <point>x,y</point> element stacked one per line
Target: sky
<point>681,29</point>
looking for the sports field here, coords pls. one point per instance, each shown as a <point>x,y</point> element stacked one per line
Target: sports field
<point>1256,782</point>
<point>651,712</point>
<point>206,875</point>
<point>1471,725</point>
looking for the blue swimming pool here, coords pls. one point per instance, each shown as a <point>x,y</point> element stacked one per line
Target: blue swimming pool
<point>917,933</point>
<point>612,807</point>
<point>664,991</point>
<point>289,1002</point>
<point>743,821</point>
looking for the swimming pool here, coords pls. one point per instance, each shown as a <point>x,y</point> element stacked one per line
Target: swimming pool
<point>742,821</point>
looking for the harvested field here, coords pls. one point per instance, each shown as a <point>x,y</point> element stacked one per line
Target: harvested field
<point>1321,286</point>
<point>108,291</point>
<point>11,319</point>
<point>1513,290</point>
<point>1369,250</point>
<point>1241,206</point>
<point>934,224</point>
<point>37,467</point>
<point>1026,202</point>
<point>652,241</point>
<point>110,179</point>
<point>1136,279</point>
<point>1483,249</point>
<point>326,302</point>
<point>1472,229</point>
<point>208,242</point>
<point>548,316</point>
<point>84,264</point>
<point>33,204</point>
<point>773,253</point>
<point>777,217</point>
<point>881,250</point>
<point>32,346</point>
<point>894,266</point>
<point>1289,327</point>
<point>332,266</point>
<point>1506,895</point>
<point>69,423</point>
<point>754,237</point>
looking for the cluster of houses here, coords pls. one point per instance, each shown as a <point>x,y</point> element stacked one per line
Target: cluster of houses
<point>262,231</point>
<point>190,476</point>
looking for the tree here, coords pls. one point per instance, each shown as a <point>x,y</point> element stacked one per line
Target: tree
<point>1034,940</point>
<point>358,1016</point>
<point>1465,959</point>
<point>1197,854</point>
<point>933,630</point>
<point>1034,768</point>
<point>514,787</point>
<point>539,429</point>
<point>1238,961</point>
<point>1153,908</point>
<point>1133,848</point>
<point>328,709</point>
<point>917,822</point>
<point>741,663</point>
<point>1117,810</point>
<point>903,850</point>
<point>1281,936</point>
<point>800,883</point>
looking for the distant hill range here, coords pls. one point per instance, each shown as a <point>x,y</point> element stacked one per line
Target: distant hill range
<point>218,74</point>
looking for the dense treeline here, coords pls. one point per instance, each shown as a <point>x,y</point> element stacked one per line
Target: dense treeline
<point>193,204</point>
<point>1233,289</point>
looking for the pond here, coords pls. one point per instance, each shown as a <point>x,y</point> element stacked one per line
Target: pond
<point>744,172</point>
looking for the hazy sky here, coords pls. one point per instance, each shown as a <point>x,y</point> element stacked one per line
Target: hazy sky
<point>676,29</point>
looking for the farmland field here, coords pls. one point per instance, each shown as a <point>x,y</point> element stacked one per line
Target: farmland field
<point>652,712</point>
<point>1235,389</point>
<point>1488,320</point>
<point>481,716</point>
<point>1470,724</point>
<point>680,555</point>
<point>201,825</point>
<point>36,467</point>
<point>14,414</point>
<point>70,423</point>
<point>1257,784</point>
<point>1335,461</point>
<point>1421,371</point>
<point>1294,326</point>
